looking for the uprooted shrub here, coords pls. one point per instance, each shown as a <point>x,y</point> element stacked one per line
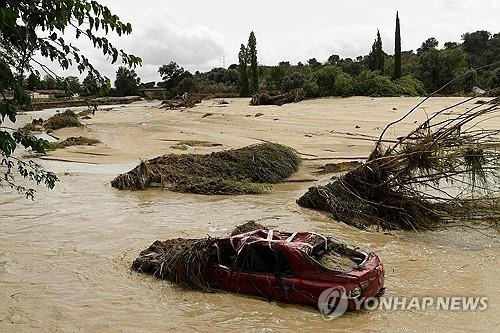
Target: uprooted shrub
<point>240,171</point>
<point>60,120</point>
<point>246,227</point>
<point>443,173</point>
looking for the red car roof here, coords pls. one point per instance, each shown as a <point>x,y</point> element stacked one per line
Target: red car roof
<point>297,241</point>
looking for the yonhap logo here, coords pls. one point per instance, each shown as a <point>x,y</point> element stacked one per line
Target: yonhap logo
<point>333,302</point>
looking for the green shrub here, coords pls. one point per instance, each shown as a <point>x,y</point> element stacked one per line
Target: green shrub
<point>343,85</point>
<point>311,89</point>
<point>494,78</point>
<point>293,81</point>
<point>370,83</point>
<point>409,86</point>
<point>325,79</point>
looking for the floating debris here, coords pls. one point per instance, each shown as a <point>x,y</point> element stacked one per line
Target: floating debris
<point>239,171</point>
<point>184,101</point>
<point>444,172</point>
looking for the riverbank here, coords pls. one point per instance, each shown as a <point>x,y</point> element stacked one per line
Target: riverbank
<point>38,105</point>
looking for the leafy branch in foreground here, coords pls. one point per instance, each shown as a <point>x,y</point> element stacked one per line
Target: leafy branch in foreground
<point>38,27</point>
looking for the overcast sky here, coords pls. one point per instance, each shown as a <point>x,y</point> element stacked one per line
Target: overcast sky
<point>199,34</point>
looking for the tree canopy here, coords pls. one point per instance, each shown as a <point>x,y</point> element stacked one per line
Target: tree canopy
<point>126,82</point>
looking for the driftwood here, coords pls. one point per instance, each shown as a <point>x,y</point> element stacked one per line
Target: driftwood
<point>293,96</point>
<point>181,101</point>
<point>446,171</point>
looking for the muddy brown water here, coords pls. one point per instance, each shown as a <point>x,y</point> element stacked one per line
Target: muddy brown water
<point>65,258</point>
<point>64,264</point>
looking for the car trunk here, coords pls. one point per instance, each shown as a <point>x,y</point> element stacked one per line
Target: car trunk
<point>337,256</point>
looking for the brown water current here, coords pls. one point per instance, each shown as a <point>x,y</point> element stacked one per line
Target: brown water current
<point>65,258</point>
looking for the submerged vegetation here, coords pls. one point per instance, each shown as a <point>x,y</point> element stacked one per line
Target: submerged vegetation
<point>240,171</point>
<point>444,172</point>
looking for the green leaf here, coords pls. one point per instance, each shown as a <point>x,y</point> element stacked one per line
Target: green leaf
<point>7,143</point>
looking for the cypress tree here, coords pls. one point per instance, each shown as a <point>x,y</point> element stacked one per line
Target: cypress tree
<point>252,58</point>
<point>376,58</point>
<point>397,50</point>
<point>242,68</point>
<point>380,53</point>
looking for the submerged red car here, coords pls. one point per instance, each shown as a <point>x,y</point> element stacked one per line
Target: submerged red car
<point>287,267</point>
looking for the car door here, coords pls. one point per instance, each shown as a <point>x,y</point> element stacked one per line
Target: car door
<point>254,272</point>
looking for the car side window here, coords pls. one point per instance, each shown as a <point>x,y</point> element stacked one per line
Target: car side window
<point>262,259</point>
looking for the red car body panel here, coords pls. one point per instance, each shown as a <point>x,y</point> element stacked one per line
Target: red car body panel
<point>302,280</point>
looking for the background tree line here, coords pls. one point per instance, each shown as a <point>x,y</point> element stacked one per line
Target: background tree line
<point>378,73</point>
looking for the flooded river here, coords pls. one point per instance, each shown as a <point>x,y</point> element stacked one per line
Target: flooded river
<point>65,262</point>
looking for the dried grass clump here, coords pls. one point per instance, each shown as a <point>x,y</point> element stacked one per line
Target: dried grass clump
<point>77,141</point>
<point>186,144</point>
<point>86,113</point>
<point>29,127</point>
<point>34,126</point>
<point>72,141</point>
<point>240,171</point>
<point>444,172</point>
<point>293,96</point>
<point>246,227</point>
<point>180,260</point>
<point>60,120</point>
